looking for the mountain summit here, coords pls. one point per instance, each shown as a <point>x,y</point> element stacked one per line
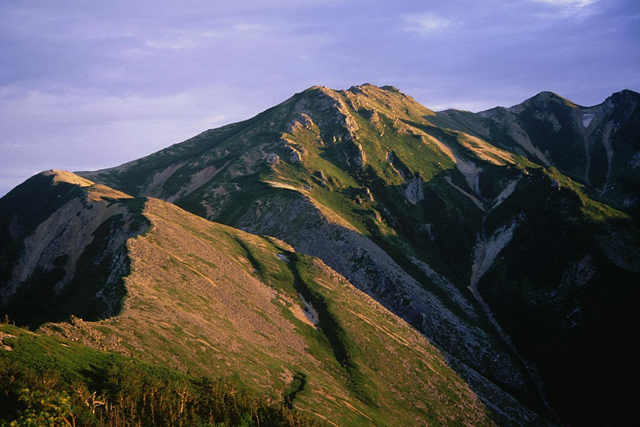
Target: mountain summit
<point>508,239</point>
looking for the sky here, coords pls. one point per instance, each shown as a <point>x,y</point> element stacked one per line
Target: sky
<point>86,85</point>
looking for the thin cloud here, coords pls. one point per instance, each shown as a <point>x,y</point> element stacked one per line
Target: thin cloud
<point>426,24</point>
<point>174,41</point>
<point>566,3</point>
<point>16,146</point>
<point>193,39</point>
<point>568,8</point>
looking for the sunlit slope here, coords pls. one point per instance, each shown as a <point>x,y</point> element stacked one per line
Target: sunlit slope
<point>51,381</point>
<point>213,300</point>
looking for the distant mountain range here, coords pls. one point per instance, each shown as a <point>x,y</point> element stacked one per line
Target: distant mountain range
<point>357,257</point>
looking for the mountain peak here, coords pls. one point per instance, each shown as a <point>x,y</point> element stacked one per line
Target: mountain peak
<point>368,88</point>
<point>319,90</point>
<point>390,88</point>
<point>387,99</point>
<point>623,97</point>
<point>546,97</point>
<point>67,177</point>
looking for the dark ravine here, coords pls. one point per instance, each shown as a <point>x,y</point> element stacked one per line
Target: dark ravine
<point>494,234</point>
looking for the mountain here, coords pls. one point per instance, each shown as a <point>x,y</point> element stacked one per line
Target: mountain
<point>162,285</point>
<point>509,239</point>
<point>598,145</point>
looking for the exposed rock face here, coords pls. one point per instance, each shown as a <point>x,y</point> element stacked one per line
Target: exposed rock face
<point>471,174</point>
<point>486,250</point>
<point>273,158</point>
<point>296,156</point>
<point>326,109</point>
<point>414,191</point>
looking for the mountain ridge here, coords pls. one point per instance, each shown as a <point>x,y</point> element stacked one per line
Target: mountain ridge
<point>219,289</point>
<point>475,170</point>
<point>478,229</point>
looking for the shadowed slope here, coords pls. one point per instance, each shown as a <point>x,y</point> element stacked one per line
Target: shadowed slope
<point>63,248</point>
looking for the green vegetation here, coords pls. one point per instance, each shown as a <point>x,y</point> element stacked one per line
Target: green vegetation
<point>46,381</point>
<point>592,209</point>
<point>269,268</point>
<point>295,387</point>
<point>344,349</point>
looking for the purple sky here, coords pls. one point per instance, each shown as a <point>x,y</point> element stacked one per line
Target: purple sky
<point>88,85</point>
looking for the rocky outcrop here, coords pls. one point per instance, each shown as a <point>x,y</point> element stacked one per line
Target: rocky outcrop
<point>413,190</point>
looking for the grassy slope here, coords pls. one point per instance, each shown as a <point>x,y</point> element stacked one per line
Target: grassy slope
<point>50,381</point>
<point>209,299</point>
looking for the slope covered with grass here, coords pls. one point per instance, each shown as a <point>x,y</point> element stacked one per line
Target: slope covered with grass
<point>207,299</point>
<point>49,381</point>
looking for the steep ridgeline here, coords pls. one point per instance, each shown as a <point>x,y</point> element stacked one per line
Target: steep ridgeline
<point>566,289</point>
<point>489,233</point>
<point>207,299</point>
<point>598,146</point>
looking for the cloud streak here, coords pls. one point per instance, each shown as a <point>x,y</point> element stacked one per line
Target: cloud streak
<point>567,8</point>
<point>425,24</point>
<point>567,3</point>
<point>190,39</point>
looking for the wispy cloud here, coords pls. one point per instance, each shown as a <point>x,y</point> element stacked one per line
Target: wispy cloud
<point>568,8</point>
<point>426,24</point>
<point>192,39</point>
<point>174,41</point>
<point>15,146</point>
<point>566,3</point>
